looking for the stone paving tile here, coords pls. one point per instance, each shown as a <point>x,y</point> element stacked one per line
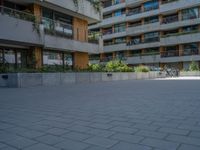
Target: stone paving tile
<point>124,129</point>
<point>72,145</point>
<point>162,144</point>
<point>20,142</point>
<point>79,128</point>
<point>127,137</point>
<point>9,148</point>
<point>128,146</point>
<point>174,131</point>
<point>100,126</point>
<point>101,141</point>
<point>2,145</point>
<point>184,139</point>
<point>121,123</point>
<point>100,132</point>
<point>189,147</point>
<point>189,127</point>
<point>146,127</point>
<point>195,134</point>
<point>76,136</point>
<point>49,139</point>
<point>57,131</point>
<point>96,148</point>
<point>40,147</point>
<point>153,134</point>
<point>5,126</point>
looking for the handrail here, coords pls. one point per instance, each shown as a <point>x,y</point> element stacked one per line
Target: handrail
<point>17,14</point>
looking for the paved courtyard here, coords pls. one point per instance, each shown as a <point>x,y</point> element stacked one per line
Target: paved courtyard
<point>124,115</point>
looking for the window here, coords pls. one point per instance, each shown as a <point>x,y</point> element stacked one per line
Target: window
<point>151,19</point>
<point>119,27</point>
<point>170,51</point>
<point>119,12</point>
<point>190,49</point>
<point>191,13</point>
<point>52,58</point>
<point>151,37</point>
<point>120,40</point>
<point>190,28</point>
<point>151,5</point>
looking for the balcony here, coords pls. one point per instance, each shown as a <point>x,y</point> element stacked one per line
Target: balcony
<point>180,38</point>
<point>84,9</point>
<point>114,35</point>
<point>57,28</point>
<point>18,26</point>
<point>133,2</point>
<point>65,44</point>
<point>179,4</point>
<point>143,28</point>
<point>148,43</point>
<point>152,58</point>
<point>113,20</point>
<point>142,15</point>
<point>114,7</point>
<point>170,19</point>
<point>115,47</point>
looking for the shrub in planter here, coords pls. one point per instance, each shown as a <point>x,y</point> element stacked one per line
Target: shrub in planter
<point>141,69</point>
<point>95,68</point>
<point>117,66</point>
<point>193,66</point>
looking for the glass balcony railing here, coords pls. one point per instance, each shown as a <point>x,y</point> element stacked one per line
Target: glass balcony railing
<point>57,27</point>
<point>169,53</point>
<point>17,14</point>
<point>168,1</point>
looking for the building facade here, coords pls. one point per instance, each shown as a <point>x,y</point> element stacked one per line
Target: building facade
<point>156,33</point>
<point>34,33</point>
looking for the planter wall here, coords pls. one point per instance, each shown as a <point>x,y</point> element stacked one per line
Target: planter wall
<point>53,79</point>
<point>190,73</point>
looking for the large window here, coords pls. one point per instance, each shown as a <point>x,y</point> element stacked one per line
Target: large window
<point>52,58</point>
<point>119,12</point>
<point>190,49</point>
<point>13,57</point>
<point>191,13</point>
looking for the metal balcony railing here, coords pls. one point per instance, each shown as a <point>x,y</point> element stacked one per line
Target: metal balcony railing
<point>17,14</point>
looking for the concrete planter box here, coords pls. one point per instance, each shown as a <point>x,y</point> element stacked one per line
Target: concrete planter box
<point>20,80</point>
<point>190,73</point>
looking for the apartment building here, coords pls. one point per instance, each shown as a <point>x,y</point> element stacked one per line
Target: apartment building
<point>156,33</point>
<point>34,33</point>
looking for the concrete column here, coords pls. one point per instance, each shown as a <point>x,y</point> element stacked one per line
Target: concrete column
<point>180,65</point>
<point>161,51</point>
<point>38,57</point>
<point>179,15</point>
<point>114,55</point>
<point>160,18</point>
<point>180,48</point>
<point>37,11</point>
<point>199,47</point>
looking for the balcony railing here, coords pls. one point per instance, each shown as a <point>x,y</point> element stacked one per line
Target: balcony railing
<point>150,40</point>
<point>17,14</point>
<point>107,32</point>
<point>170,53</point>
<point>170,19</point>
<point>134,12</point>
<point>180,33</point>
<point>168,1</point>
<point>57,28</point>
